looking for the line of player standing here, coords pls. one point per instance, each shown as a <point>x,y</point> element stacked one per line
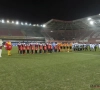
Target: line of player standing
<point>50,47</point>
<point>85,47</point>
<point>35,48</point>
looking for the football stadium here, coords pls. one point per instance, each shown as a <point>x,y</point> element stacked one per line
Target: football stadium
<point>57,55</point>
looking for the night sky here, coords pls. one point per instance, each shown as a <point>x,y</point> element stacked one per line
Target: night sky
<point>41,11</point>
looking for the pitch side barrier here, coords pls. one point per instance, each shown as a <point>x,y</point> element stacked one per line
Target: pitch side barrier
<point>23,39</point>
<point>61,41</point>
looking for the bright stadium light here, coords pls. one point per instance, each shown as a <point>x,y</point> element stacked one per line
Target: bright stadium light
<point>37,24</point>
<point>12,21</point>
<point>26,23</point>
<point>92,22</point>
<point>30,24</point>
<point>34,25</point>
<point>41,25</point>
<point>99,14</point>
<point>89,18</point>
<point>7,21</point>
<point>17,22</point>
<point>22,23</point>
<point>3,21</point>
<point>44,25</point>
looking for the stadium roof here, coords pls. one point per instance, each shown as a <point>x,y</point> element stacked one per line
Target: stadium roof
<point>87,23</point>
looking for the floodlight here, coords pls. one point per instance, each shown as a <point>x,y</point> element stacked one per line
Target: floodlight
<point>22,23</point>
<point>3,21</point>
<point>91,22</point>
<point>37,24</point>
<point>89,18</point>
<point>44,25</point>
<point>30,24</point>
<point>12,21</point>
<point>34,25</point>
<point>7,21</point>
<point>17,22</point>
<point>26,23</point>
<point>51,31</point>
<point>99,14</point>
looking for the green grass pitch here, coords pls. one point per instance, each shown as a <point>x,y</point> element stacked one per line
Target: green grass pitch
<point>56,71</point>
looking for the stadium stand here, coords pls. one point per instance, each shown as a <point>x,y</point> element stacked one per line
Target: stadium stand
<point>16,33</point>
<point>33,33</point>
<point>80,29</point>
<point>4,32</point>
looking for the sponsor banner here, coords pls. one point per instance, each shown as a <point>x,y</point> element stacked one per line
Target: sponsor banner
<point>83,40</point>
<point>97,40</point>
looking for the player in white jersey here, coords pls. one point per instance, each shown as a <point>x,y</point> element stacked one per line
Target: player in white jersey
<point>73,46</point>
<point>90,47</point>
<point>99,45</point>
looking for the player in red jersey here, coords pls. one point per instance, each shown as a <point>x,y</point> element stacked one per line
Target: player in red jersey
<point>48,47</point>
<point>21,48</point>
<point>40,48</point>
<point>36,47</point>
<point>44,48</point>
<point>32,47</point>
<point>24,48</point>
<point>19,44</point>
<point>51,48</point>
<point>28,48</point>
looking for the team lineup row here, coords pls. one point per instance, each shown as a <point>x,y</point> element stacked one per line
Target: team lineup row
<point>48,47</point>
<point>35,47</point>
